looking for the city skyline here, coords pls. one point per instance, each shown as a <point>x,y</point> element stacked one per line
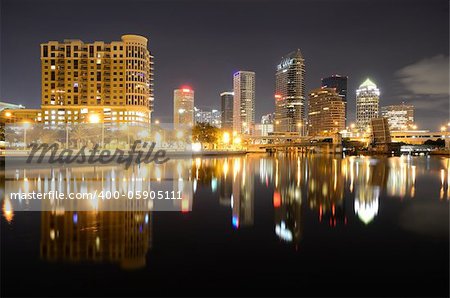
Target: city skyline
<point>398,78</point>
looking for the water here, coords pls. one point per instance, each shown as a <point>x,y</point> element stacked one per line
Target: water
<point>260,225</point>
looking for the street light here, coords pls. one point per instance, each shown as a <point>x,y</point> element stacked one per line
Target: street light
<point>443,128</point>
<point>226,137</point>
<point>94,118</point>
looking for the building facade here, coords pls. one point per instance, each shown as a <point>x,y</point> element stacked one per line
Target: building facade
<point>113,80</point>
<point>400,117</point>
<point>367,104</point>
<point>244,102</point>
<point>212,117</point>
<point>340,84</point>
<point>326,112</point>
<point>183,107</point>
<point>226,99</point>
<point>290,101</point>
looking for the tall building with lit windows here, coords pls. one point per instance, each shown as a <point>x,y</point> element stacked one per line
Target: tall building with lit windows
<point>326,111</point>
<point>290,101</point>
<point>183,107</point>
<point>113,80</point>
<point>339,83</point>
<point>244,102</point>
<point>226,99</point>
<point>400,117</point>
<point>367,104</point>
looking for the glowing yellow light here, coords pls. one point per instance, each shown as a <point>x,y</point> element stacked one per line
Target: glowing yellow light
<point>94,118</point>
<point>156,121</point>
<point>8,114</point>
<point>237,140</point>
<point>179,134</point>
<point>443,128</point>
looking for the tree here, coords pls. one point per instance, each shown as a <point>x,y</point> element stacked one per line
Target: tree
<point>438,143</point>
<point>205,133</point>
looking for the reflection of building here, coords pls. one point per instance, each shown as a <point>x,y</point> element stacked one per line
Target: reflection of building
<point>339,83</point>
<point>287,200</point>
<point>226,99</point>
<point>326,189</point>
<point>244,101</point>
<point>326,111</point>
<point>242,200</point>
<point>183,107</point>
<point>290,101</point>
<point>118,237</point>
<point>369,176</point>
<point>367,101</point>
<point>112,80</point>
<point>400,117</point>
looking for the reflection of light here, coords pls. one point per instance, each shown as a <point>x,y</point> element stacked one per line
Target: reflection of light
<point>235,221</point>
<point>366,205</point>
<point>214,184</point>
<point>8,211</point>
<point>276,199</point>
<point>225,168</point>
<point>146,218</point>
<point>442,177</point>
<point>283,232</point>
<point>75,218</point>
<point>52,234</point>
<point>97,243</point>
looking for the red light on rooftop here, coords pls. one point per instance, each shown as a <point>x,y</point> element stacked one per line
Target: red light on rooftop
<point>186,89</point>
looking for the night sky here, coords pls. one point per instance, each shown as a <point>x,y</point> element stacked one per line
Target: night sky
<point>402,46</point>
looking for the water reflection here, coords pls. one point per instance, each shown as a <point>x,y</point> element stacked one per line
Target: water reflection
<point>293,184</point>
<point>111,237</point>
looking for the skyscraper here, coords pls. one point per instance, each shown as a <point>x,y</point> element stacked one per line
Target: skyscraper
<point>227,109</point>
<point>400,117</point>
<point>244,101</point>
<point>183,107</point>
<point>340,84</point>
<point>113,80</point>
<point>326,111</point>
<point>290,102</point>
<point>367,102</point>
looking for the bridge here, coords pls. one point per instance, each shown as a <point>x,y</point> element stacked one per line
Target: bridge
<point>294,142</point>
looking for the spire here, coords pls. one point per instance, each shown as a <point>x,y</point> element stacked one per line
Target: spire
<point>368,83</point>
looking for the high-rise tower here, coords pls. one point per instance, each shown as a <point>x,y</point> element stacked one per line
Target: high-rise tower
<point>290,103</point>
<point>367,102</point>
<point>244,102</point>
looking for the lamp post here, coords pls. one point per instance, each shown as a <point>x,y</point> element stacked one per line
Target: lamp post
<point>95,119</point>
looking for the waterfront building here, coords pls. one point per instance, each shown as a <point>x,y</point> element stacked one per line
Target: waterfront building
<point>183,107</point>
<point>290,101</point>
<point>212,117</point>
<point>226,99</point>
<point>12,113</point>
<point>244,102</point>
<point>339,83</point>
<point>326,112</point>
<point>109,82</point>
<point>367,104</point>
<point>400,117</point>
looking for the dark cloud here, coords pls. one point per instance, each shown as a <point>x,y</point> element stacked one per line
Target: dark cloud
<point>429,76</point>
